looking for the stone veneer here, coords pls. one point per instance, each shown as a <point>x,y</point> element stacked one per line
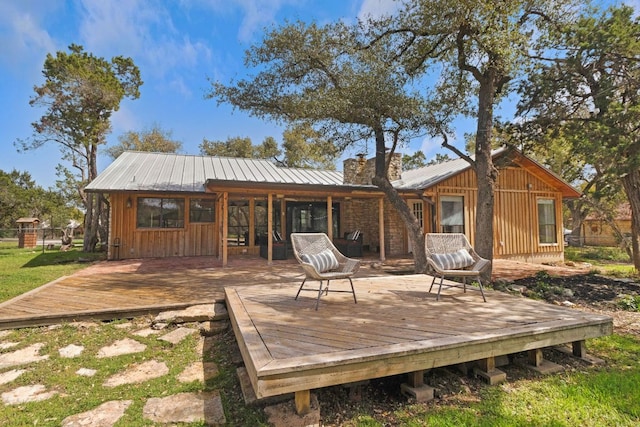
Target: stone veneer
<point>362,214</point>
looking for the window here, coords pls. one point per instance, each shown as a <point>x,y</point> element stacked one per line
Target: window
<point>202,210</point>
<point>238,228</point>
<point>547,221</point>
<point>452,214</point>
<point>160,213</point>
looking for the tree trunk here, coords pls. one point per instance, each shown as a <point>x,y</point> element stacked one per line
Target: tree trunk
<point>410,221</point>
<point>578,214</point>
<point>486,174</point>
<point>631,183</point>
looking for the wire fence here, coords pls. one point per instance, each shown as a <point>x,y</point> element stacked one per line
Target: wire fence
<point>43,234</point>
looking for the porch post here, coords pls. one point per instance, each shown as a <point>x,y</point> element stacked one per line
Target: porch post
<point>225,227</point>
<point>329,218</point>
<point>269,228</point>
<point>381,227</point>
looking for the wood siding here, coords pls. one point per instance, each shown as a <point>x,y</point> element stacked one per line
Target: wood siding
<point>126,240</point>
<point>516,233</point>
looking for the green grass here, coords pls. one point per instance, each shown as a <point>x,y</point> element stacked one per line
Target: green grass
<point>22,270</point>
<point>583,395</point>
<point>610,261</point>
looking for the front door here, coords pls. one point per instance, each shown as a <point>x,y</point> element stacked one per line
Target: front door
<point>416,207</point>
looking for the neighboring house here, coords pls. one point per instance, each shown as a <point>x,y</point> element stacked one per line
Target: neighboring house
<point>597,232</point>
<point>181,205</point>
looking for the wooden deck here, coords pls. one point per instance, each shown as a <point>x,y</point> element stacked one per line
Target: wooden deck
<point>396,327</point>
<point>104,293</point>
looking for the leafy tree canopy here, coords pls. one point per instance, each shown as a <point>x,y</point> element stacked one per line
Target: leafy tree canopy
<point>154,140</point>
<point>79,95</point>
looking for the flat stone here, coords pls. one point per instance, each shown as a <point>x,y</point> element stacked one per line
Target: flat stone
<point>120,347</point>
<point>145,332</point>
<point>30,393</point>
<point>138,373</point>
<point>213,328</point>
<point>186,408</point>
<point>285,415</point>
<point>7,377</point>
<point>195,313</point>
<point>71,351</point>
<point>105,415</point>
<point>5,333</point>
<point>177,335</point>
<point>198,371</point>
<point>23,356</point>
<point>86,372</point>
<point>8,345</point>
<point>126,325</point>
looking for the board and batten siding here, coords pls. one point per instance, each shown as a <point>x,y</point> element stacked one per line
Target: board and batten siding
<point>194,239</point>
<point>516,233</point>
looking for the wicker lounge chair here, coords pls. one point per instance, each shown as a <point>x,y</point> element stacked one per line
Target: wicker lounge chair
<point>321,261</point>
<point>451,255</point>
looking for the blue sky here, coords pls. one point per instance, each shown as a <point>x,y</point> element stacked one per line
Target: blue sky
<point>177,44</point>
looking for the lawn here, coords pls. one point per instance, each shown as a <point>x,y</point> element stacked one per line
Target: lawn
<point>583,395</point>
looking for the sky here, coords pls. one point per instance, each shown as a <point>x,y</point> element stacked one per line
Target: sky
<point>178,45</point>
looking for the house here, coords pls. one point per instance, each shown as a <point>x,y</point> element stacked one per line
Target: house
<point>596,231</point>
<point>183,205</point>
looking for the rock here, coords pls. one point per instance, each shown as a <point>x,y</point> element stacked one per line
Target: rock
<point>145,332</point>
<point>186,408</point>
<point>30,393</point>
<point>213,328</point>
<point>71,351</point>
<point>8,345</point>
<point>7,377</point>
<point>285,415</point>
<point>568,304</point>
<point>22,357</point>
<point>120,347</point>
<point>86,372</point>
<point>105,415</point>
<point>195,313</point>
<point>138,373</point>
<point>566,292</point>
<point>198,371</point>
<point>177,335</point>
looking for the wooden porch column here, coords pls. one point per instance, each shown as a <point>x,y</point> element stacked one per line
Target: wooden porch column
<point>225,227</point>
<point>269,228</point>
<point>329,217</point>
<point>381,227</point>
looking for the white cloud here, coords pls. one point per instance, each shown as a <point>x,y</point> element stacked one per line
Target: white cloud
<point>24,41</point>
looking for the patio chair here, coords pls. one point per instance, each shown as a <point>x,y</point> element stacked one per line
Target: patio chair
<point>451,255</point>
<point>321,261</point>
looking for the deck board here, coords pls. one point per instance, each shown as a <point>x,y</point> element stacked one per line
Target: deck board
<point>396,327</point>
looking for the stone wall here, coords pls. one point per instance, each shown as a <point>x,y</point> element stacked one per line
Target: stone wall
<point>360,171</point>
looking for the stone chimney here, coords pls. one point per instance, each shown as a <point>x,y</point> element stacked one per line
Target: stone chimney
<point>360,171</point>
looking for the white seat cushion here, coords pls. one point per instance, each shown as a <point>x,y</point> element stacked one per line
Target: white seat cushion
<point>454,260</point>
<point>322,261</point>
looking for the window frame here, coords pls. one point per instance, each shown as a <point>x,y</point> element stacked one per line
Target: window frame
<point>179,222</point>
<point>211,211</point>
<point>540,202</point>
<point>451,198</point>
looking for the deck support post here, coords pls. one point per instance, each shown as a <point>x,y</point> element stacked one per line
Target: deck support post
<point>416,388</point>
<point>579,349</point>
<point>303,401</point>
<point>540,365</point>
<point>487,369</point>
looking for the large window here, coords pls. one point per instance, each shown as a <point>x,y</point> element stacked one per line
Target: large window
<point>238,229</point>
<point>452,214</point>
<point>547,221</point>
<point>202,210</point>
<point>160,213</point>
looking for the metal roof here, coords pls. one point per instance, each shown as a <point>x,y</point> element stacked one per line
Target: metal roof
<point>428,176</point>
<point>168,172</point>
